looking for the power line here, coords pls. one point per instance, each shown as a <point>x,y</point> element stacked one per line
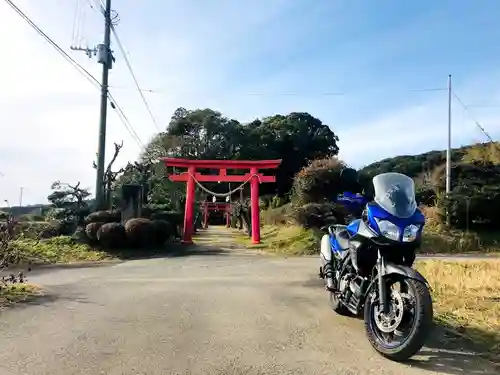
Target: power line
<point>333,93</point>
<point>467,111</point>
<point>134,77</point>
<point>68,58</point>
<point>125,121</point>
<point>129,65</point>
<point>79,68</point>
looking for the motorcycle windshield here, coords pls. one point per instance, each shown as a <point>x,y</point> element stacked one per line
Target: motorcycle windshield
<point>395,193</point>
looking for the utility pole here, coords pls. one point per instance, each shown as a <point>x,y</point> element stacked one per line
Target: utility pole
<point>21,196</point>
<point>105,58</point>
<point>448,150</point>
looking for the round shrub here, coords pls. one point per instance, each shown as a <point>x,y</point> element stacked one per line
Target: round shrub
<point>161,231</point>
<point>49,232</point>
<point>110,216</point>
<point>318,182</point>
<point>173,217</point>
<point>91,230</point>
<point>111,235</point>
<point>139,232</point>
<point>66,227</point>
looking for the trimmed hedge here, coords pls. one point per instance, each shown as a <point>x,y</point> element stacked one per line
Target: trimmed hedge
<point>139,232</point>
<point>161,231</point>
<point>91,230</point>
<point>110,216</point>
<point>111,235</point>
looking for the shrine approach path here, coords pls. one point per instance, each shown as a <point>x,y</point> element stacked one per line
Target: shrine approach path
<point>216,309</point>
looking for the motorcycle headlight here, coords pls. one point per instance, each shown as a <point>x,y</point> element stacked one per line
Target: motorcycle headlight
<point>388,229</point>
<point>410,233</point>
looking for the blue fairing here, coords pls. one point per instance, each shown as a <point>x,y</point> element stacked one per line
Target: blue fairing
<point>351,201</point>
<point>334,244</point>
<point>375,211</point>
<point>353,226</point>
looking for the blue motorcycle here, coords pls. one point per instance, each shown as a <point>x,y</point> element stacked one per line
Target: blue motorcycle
<point>367,269</point>
<point>353,203</point>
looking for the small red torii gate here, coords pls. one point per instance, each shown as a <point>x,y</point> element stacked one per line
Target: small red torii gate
<point>217,206</point>
<point>191,177</point>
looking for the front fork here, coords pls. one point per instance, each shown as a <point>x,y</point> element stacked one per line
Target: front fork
<point>382,287</point>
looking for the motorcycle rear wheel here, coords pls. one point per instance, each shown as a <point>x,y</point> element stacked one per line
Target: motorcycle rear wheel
<point>422,320</point>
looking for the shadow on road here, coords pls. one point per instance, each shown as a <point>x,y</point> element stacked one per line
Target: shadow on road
<point>48,297</point>
<point>445,351</point>
<point>453,354</point>
<point>171,251</point>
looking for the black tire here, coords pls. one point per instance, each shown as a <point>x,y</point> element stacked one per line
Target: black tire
<point>338,306</point>
<point>421,327</point>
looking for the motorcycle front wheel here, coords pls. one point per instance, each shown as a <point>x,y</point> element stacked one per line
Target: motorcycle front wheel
<point>401,333</point>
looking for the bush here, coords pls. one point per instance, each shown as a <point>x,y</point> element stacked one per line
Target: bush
<point>109,216</point>
<point>433,218</point>
<point>234,221</point>
<point>31,217</point>
<point>278,202</point>
<point>91,230</point>
<point>472,209</point>
<point>56,249</point>
<point>35,229</point>
<point>173,217</point>
<point>425,195</point>
<point>79,236</point>
<point>111,235</point>
<point>161,231</point>
<point>66,227</point>
<point>48,232</point>
<point>277,216</point>
<point>317,215</point>
<point>318,182</point>
<point>139,232</point>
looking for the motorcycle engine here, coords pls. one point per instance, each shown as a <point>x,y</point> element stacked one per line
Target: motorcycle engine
<point>345,282</point>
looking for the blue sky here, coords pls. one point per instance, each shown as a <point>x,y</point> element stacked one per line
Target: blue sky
<point>248,59</point>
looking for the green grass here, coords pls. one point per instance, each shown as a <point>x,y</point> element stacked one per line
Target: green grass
<point>286,240</point>
<point>60,249</point>
<point>12,293</point>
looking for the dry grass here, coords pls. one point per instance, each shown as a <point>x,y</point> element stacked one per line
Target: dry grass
<point>286,240</point>
<point>10,294</point>
<point>467,297</point>
<point>438,239</point>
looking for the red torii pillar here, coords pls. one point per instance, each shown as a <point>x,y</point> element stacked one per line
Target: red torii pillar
<point>222,165</point>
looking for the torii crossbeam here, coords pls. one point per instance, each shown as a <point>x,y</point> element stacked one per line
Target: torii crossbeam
<point>191,176</point>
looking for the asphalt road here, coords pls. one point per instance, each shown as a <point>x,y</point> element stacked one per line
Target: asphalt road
<point>212,312</point>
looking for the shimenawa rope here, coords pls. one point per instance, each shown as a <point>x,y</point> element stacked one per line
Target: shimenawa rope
<point>221,194</point>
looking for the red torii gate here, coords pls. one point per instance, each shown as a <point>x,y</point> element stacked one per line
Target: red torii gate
<point>191,177</point>
<point>217,206</point>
